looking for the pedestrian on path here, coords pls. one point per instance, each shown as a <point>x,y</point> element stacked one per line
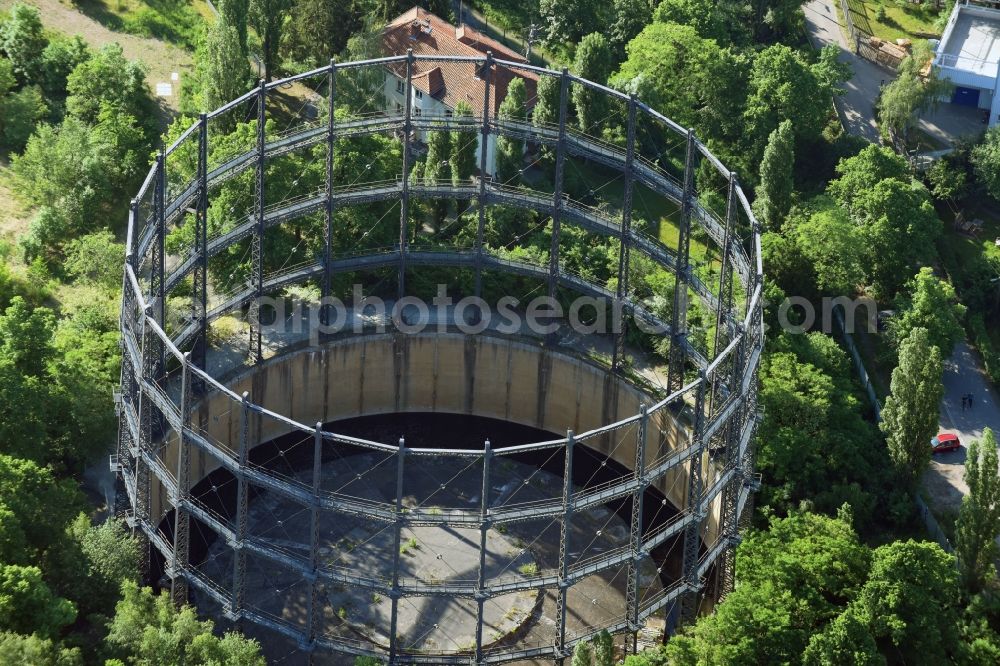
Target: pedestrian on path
<point>971,401</point>
<point>965,400</point>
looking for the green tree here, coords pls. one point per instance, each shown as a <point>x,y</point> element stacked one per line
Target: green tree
<point>112,551</point>
<point>895,217</point>
<point>268,19</point>
<point>108,78</point>
<point>36,651</point>
<point>784,86</point>
<point>60,57</point>
<point>845,640</point>
<point>437,167</point>
<point>26,337</point>
<point>567,21</point>
<point>149,630</point>
<point>794,577</point>
<point>227,72</point>
<point>592,62</point>
<point>712,19</point>
<point>604,649</point>
<point>774,194</point>
<point>947,180</point>
<point>862,172</point>
<point>28,606</point>
<point>985,160</point>
<point>39,505</point>
<point>319,29</point>
<point>932,305</point>
<point>832,244</point>
<point>583,654</point>
<point>546,111</point>
<point>629,18</point>
<point>235,13</point>
<point>91,259</point>
<point>910,415</point>
<point>978,521</point>
<point>65,171</point>
<point>89,565</point>
<point>814,445</point>
<point>19,113</point>
<point>509,151</point>
<point>911,601</point>
<point>689,68</point>
<point>899,227</point>
<point>7,79</point>
<point>22,39</point>
<point>464,156</point>
<point>911,92</point>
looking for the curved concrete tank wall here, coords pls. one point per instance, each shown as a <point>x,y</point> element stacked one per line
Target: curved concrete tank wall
<point>515,380</point>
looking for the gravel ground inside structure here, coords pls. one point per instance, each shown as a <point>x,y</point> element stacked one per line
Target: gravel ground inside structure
<point>429,554</point>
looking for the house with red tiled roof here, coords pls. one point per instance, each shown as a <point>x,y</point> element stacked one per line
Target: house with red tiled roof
<point>438,87</point>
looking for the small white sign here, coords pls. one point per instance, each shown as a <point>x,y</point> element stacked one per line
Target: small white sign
<point>164,90</point>
<point>175,77</point>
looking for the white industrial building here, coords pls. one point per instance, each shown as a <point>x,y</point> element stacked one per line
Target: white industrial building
<point>969,56</point>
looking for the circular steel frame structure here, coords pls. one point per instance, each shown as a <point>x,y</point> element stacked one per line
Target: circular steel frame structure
<point>165,377</point>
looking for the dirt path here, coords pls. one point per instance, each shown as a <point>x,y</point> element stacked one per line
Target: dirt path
<point>160,58</point>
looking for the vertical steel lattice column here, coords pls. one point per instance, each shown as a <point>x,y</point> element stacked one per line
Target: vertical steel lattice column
<point>257,240</point>
<point>625,242</point>
<point>182,517</point>
<point>729,520</point>
<point>692,533</point>
<point>315,610</point>
<point>147,420</point>
<point>635,530</point>
<point>150,419</point>
<point>482,594</point>
<point>754,413</point>
<point>324,311</point>
<point>557,192</point>
<point>156,286</point>
<point>732,431</point>
<point>484,143</point>
<point>404,201</point>
<point>199,293</point>
<point>564,545</point>
<point>242,501</point>
<point>394,593</point>
<point>126,405</point>
<point>678,316</point>
<point>725,289</point>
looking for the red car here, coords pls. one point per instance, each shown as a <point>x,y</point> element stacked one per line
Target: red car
<point>946,441</point>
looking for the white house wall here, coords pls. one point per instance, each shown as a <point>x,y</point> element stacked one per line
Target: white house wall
<point>427,105</point>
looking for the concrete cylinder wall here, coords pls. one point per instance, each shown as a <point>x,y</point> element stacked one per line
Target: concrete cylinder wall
<point>514,380</point>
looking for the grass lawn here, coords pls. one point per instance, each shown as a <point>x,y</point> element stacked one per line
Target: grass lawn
<point>663,213</point>
<point>893,20</point>
<point>966,247</point>
<point>174,21</point>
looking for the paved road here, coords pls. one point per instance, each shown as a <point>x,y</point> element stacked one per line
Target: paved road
<point>964,370</point>
<point>856,105</point>
<point>963,373</point>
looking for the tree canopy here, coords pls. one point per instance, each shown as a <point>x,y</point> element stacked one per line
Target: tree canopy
<point>979,517</point>
<point>910,416</point>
